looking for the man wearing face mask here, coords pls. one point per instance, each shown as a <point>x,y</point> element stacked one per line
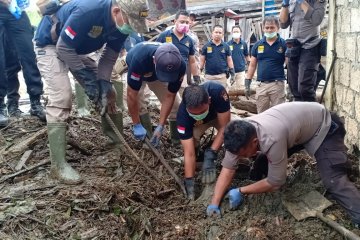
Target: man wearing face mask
<point>304,17</point>
<point>203,106</point>
<point>268,55</point>
<point>216,58</point>
<point>240,56</point>
<point>63,42</point>
<point>178,36</point>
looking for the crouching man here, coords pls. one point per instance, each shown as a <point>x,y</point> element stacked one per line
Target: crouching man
<point>203,106</point>
<point>273,133</point>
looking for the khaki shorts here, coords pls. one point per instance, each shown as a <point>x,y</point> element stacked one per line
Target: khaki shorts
<point>220,78</point>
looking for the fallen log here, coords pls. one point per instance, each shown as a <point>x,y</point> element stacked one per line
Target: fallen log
<point>240,92</point>
<point>21,147</point>
<point>244,104</point>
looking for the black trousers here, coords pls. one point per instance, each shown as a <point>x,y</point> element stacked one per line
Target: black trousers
<point>333,166</point>
<point>9,82</point>
<point>19,33</point>
<point>302,74</point>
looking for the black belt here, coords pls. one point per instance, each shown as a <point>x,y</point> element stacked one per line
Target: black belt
<point>272,81</point>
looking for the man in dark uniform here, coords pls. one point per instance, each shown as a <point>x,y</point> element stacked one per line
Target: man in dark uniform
<point>268,56</point>
<point>203,106</point>
<point>216,58</point>
<point>304,17</point>
<point>179,37</point>
<point>160,67</point>
<point>240,56</point>
<point>82,28</point>
<point>20,34</point>
<point>275,133</point>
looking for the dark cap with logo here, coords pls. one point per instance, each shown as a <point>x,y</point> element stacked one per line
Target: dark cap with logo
<point>167,63</point>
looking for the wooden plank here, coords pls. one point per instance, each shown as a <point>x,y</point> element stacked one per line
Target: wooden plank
<point>26,156</point>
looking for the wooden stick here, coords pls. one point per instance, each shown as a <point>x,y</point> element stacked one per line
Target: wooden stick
<point>26,156</point>
<point>6,177</point>
<point>118,134</point>
<point>167,166</point>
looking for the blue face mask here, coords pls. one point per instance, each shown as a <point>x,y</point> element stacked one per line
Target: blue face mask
<point>270,35</point>
<point>200,116</point>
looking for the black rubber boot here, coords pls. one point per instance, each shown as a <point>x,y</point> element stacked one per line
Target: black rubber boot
<point>13,109</point>
<point>4,120</point>
<point>36,108</point>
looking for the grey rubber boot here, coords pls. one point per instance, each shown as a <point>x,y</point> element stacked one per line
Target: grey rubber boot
<point>146,122</point>
<point>119,87</point>
<point>174,135</point>
<point>108,131</point>
<point>60,169</point>
<point>4,120</point>
<point>82,103</point>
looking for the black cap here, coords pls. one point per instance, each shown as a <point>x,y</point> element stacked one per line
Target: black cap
<point>167,62</point>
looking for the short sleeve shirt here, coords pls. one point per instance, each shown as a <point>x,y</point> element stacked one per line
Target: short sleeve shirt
<point>270,59</point>
<point>86,27</point>
<point>142,68</point>
<point>216,57</point>
<point>282,127</point>
<point>185,45</point>
<point>239,52</point>
<point>220,103</point>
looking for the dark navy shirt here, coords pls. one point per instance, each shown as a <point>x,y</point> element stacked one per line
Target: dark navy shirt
<point>185,45</point>
<point>219,103</point>
<point>84,25</point>
<point>216,57</point>
<point>133,39</point>
<point>142,68</point>
<point>239,52</point>
<point>270,59</point>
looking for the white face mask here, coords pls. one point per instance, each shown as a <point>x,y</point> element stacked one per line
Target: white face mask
<point>236,35</point>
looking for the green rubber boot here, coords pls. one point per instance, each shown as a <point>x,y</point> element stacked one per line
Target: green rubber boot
<point>107,129</point>
<point>119,87</point>
<point>82,103</point>
<point>146,122</point>
<point>60,169</point>
<point>174,135</point>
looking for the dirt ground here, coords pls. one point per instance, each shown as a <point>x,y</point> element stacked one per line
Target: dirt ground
<point>120,200</point>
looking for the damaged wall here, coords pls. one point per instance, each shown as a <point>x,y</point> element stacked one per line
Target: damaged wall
<point>346,84</point>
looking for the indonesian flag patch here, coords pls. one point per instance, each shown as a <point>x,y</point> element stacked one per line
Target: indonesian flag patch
<point>181,129</point>
<point>135,76</point>
<point>70,33</point>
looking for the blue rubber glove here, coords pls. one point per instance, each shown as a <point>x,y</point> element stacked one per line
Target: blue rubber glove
<point>299,1</point>
<point>213,211</point>
<point>235,198</point>
<point>139,132</point>
<point>285,2</point>
<point>155,139</point>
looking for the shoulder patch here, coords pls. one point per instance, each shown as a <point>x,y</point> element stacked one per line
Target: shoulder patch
<point>225,95</point>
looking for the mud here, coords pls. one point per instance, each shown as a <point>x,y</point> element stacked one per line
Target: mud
<point>119,200</point>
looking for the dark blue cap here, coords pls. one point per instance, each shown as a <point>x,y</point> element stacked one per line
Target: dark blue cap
<point>167,63</point>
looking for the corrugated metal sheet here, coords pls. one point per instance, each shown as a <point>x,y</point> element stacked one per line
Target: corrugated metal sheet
<point>209,6</point>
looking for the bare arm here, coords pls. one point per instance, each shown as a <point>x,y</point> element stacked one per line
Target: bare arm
<point>252,68</point>
<point>202,62</point>
<point>230,62</point>
<point>189,157</point>
<point>222,184</point>
<point>284,17</point>
<point>133,105</point>
<point>261,186</point>
<point>223,119</point>
<point>194,69</point>
<point>166,107</point>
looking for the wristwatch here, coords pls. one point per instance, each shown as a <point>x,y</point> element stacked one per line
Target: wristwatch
<point>285,5</point>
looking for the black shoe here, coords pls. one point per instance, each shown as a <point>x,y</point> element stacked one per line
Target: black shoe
<point>4,120</point>
<point>37,109</point>
<point>13,110</point>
